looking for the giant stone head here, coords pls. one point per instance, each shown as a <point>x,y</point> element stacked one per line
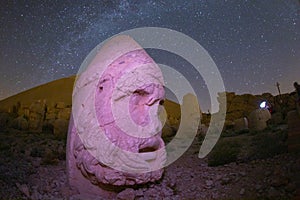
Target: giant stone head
<point>115,132</point>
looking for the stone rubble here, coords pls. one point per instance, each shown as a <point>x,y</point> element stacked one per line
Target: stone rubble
<point>28,177</point>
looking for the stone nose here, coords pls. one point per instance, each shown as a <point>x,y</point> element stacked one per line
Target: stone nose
<point>157,95</point>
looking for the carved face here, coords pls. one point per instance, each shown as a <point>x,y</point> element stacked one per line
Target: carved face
<point>34,120</point>
<point>118,131</point>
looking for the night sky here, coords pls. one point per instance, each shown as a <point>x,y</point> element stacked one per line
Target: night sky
<point>253,43</point>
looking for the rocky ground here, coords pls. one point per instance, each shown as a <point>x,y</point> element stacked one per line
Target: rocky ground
<point>32,166</point>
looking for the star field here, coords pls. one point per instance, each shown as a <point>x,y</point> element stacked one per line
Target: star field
<point>253,43</point>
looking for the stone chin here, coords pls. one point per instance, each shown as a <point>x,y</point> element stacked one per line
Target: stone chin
<point>115,132</point>
<point>99,173</point>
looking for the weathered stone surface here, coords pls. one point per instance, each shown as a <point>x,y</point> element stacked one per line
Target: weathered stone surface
<point>258,119</point>
<point>127,194</point>
<point>114,136</point>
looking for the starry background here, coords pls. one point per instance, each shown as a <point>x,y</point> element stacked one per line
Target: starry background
<point>253,43</point>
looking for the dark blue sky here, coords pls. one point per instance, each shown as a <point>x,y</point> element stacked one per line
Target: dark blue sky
<point>253,43</point>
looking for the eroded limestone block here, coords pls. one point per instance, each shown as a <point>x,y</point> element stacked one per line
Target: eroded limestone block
<point>114,135</point>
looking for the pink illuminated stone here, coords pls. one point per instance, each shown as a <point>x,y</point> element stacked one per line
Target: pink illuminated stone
<point>114,135</point>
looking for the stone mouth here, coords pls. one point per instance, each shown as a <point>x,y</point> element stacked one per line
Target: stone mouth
<point>149,151</point>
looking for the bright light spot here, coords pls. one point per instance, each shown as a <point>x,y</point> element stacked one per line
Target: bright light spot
<point>263,104</point>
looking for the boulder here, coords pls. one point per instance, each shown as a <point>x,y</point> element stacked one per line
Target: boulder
<point>60,105</point>
<point>241,124</point>
<point>20,123</point>
<point>37,107</point>
<point>168,130</point>
<point>64,113</point>
<point>50,116</point>
<point>258,119</point>
<point>60,127</point>
<point>48,126</point>
<point>5,120</point>
<point>276,119</point>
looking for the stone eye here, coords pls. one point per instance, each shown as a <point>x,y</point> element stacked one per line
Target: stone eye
<point>140,92</point>
<point>161,102</point>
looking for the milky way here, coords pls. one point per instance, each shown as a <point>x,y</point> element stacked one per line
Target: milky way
<point>253,43</point>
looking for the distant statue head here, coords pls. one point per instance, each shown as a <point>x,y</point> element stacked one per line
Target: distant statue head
<point>115,136</point>
<point>296,84</point>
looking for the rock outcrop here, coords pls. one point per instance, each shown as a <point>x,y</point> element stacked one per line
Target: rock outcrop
<point>37,117</point>
<point>240,106</point>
